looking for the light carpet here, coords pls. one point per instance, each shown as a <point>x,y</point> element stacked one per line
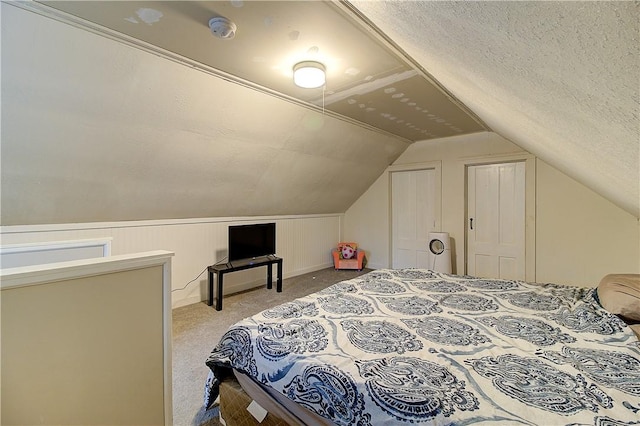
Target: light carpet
<point>198,327</point>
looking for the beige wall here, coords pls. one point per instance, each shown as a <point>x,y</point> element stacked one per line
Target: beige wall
<point>367,223</point>
<point>557,200</point>
<point>87,342</point>
<point>581,236</point>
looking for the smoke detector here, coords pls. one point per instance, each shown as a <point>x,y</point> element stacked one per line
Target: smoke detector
<point>222,27</point>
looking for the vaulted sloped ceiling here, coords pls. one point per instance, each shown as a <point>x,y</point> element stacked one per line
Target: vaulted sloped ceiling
<point>133,110</point>
<point>561,79</point>
<point>368,81</point>
<point>97,129</point>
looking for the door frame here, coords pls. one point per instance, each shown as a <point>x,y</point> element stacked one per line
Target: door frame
<point>529,204</point>
<point>431,165</point>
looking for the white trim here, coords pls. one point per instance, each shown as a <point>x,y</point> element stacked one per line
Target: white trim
<point>167,328</point>
<point>375,266</point>
<point>187,301</point>
<point>17,229</point>
<point>415,166</point>
<point>41,274</point>
<point>496,158</point>
<point>105,243</point>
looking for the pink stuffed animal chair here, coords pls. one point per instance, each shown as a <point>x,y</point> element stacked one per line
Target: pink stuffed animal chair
<point>347,256</point>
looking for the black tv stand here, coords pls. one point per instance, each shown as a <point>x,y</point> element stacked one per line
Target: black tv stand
<point>239,265</point>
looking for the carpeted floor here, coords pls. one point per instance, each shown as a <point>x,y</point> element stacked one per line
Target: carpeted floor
<point>198,327</point>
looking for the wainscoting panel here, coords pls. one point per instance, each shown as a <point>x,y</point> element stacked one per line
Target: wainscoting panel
<point>304,242</point>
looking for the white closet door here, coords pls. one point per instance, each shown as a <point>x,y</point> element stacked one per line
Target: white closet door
<point>496,221</point>
<point>413,215</point>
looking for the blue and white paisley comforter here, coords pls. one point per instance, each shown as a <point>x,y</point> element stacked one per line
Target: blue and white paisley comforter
<point>417,346</point>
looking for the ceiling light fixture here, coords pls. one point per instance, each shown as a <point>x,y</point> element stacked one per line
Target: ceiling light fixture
<point>309,74</point>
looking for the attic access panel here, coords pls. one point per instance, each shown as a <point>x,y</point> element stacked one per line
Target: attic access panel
<point>271,37</point>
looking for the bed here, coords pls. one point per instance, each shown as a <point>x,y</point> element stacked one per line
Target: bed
<point>411,346</point>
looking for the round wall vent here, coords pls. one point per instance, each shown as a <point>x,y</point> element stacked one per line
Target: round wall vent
<point>222,27</point>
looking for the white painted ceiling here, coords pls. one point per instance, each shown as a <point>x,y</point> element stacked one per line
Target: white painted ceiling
<point>367,79</point>
<point>560,79</point>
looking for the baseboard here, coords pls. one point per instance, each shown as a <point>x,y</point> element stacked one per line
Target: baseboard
<point>308,270</point>
<point>186,301</point>
<point>375,266</point>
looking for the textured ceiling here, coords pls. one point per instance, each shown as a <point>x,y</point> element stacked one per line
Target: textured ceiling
<point>560,79</point>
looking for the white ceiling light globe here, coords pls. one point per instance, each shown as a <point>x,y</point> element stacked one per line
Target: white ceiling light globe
<point>309,74</point>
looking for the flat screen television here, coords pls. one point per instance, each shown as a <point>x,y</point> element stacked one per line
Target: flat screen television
<point>250,241</point>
